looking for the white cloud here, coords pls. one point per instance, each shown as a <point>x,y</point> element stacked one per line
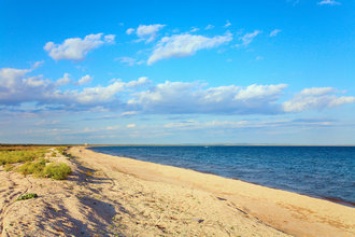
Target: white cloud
<point>131,125</point>
<point>37,64</point>
<point>146,33</point>
<point>209,27</point>
<point>64,80</point>
<point>129,61</point>
<point>9,77</point>
<point>77,48</point>
<point>35,82</point>
<point>130,31</point>
<point>112,128</point>
<point>185,45</point>
<point>181,97</point>
<point>328,2</point>
<point>140,81</point>
<point>248,38</point>
<point>103,94</point>
<point>17,88</point>
<point>228,24</point>
<point>260,92</point>
<point>84,80</point>
<point>274,33</point>
<point>133,97</point>
<point>98,94</point>
<point>129,113</point>
<point>316,98</point>
<point>194,29</point>
<point>109,39</point>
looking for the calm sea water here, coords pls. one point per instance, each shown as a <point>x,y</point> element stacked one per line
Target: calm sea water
<point>325,172</point>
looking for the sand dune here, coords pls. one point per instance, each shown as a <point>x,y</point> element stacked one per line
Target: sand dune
<point>110,196</point>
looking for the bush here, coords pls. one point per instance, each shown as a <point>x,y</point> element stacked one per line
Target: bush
<point>27,196</point>
<point>35,168</point>
<point>58,171</point>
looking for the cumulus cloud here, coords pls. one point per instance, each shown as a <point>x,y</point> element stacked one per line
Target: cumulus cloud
<point>146,33</point>
<point>77,48</point>
<point>316,98</point>
<point>328,2</point>
<point>184,45</point>
<point>247,38</point>
<point>9,77</point>
<point>64,80</point>
<point>17,88</point>
<point>99,95</point>
<point>140,96</point>
<point>35,82</point>
<point>182,97</point>
<point>84,80</point>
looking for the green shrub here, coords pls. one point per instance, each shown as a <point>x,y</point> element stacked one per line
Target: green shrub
<point>35,168</point>
<point>27,196</point>
<point>58,171</point>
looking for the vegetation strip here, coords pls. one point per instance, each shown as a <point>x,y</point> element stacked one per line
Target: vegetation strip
<point>30,160</point>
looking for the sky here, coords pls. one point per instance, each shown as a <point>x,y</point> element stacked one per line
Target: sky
<point>177,72</point>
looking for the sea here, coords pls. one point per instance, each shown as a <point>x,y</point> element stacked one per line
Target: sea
<point>326,172</point>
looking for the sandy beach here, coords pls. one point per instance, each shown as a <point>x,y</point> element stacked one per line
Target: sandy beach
<point>110,196</point>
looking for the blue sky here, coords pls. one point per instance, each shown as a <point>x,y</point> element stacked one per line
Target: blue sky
<point>177,72</point>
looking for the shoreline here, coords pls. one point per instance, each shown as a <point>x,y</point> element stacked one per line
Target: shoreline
<point>333,199</point>
<point>292,213</point>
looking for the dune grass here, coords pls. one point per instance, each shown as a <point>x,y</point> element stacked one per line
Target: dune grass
<point>35,168</point>
<point>58,171</point>
<point>30,160</point>
<point>20,154</point>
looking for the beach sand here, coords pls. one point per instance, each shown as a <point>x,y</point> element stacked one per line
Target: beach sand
<point>110,196</point>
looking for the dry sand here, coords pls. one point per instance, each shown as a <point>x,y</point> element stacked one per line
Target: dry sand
<point>110,196</point>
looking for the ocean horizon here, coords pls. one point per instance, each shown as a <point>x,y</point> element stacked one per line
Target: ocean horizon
<point>320,171</point>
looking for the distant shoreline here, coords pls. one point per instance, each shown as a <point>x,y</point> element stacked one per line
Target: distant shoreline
<point>182,144</point>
